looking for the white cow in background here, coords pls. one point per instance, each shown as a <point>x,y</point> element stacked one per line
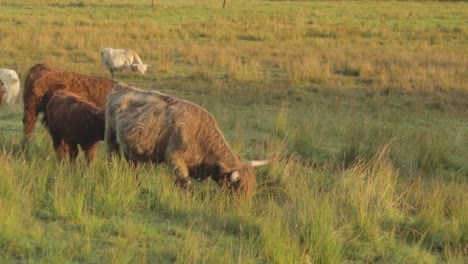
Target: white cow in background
<point>122,59</point>
<point>11,85</point>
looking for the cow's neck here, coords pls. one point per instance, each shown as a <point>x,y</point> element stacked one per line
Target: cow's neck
<point>223,153</point>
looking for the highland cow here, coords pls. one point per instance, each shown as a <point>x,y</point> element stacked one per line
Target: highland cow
<point>11,86</point>
<point>72,121</point>
<point>42,80</point>
<point>122,59</point>
<point>154,127</point>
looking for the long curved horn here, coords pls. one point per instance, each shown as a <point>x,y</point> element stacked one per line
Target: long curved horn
<point>257,163</point>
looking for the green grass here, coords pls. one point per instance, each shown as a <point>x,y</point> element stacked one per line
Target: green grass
<point>362,105</point>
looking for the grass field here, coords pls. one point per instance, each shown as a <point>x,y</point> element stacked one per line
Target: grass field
<point>362,104</point>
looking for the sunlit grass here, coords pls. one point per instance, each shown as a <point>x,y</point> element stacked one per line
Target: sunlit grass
<point>361,105</point>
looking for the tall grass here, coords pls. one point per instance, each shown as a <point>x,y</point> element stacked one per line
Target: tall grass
<point>368,211</point>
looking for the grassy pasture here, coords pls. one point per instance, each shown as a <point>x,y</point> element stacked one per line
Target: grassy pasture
<point>363,105</point>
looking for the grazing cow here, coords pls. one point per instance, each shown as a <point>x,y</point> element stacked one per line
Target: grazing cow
<point>73,121</point>
<point>151,126</point>
<point>42,80</point>
<point>122,59</point>
<point>11,85</point>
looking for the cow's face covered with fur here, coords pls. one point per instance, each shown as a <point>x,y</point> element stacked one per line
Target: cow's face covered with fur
<point>243,180</point>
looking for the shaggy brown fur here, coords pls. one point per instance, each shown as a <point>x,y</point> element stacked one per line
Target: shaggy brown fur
<point>2,92</point>
<point>42,80</point>
<point>72,121</point>
<point>150,126</point>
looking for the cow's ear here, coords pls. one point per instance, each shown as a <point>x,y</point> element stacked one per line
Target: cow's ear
<point>223,169</point>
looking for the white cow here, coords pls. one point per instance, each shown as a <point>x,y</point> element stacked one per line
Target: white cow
<point>121,59</point>
<point>11,85</point>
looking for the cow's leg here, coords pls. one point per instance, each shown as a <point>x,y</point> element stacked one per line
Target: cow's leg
<point>44,120</point>
<point>172,156</point>
<point>60,149</point>
<point>112,147</point>
<point>31,110</point>
<point>90,151</point>
<point>133,163</point>
<point>181,171</point>
<point>9,99</point>
<point>73,151</point>
<point>111,71</point>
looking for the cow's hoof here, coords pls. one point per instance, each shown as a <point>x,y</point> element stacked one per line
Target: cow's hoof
<point>184,183</point>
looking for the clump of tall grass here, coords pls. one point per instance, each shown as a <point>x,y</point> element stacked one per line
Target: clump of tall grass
<point>16,206</point>
<point>244,69</point>
<point>364,141</point>
<point>438,217</point>
<point>201,74</point>
<point>276,242</point>
<point>280,125</point>
<point>432,156</point>
<point>376,205</point>
<point>366,196</point>
<point>316,234</point>
<point>307,67</point>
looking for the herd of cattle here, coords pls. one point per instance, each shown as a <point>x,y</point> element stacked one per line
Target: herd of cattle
<point>144,126</point>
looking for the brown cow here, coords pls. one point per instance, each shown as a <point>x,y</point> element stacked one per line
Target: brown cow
<point>72,121</point>
<point>151,126</point>
<point>42,80</point>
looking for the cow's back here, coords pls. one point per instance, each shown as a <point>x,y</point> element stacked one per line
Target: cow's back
<point>141,122</point>
<point>68,116</point>
<point>42,80</point>
<point>146,123</point>
<point>120,58</point>
<point>32,83</point>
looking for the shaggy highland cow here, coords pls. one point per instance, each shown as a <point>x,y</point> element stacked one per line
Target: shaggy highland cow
<point>11,85</point>
<point>42,80</point>
<point>72,121</point>
<point>122,59</point>
<point>154,127</point>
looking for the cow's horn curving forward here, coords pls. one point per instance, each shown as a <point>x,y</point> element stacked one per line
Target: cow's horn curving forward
<point>235,176</point>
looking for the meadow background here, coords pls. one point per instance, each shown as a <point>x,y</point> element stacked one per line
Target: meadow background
<point>362,104</point>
